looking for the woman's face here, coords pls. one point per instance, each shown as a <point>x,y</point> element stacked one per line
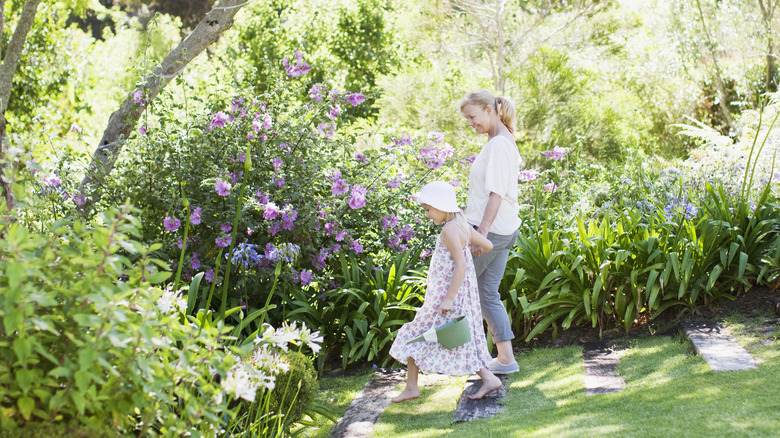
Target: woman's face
<point>478,117</point>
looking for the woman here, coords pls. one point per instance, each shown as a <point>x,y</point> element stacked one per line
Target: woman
<point>492,209</point>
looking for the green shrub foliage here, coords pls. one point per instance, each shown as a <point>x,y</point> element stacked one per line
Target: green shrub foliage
<point>87,337</point>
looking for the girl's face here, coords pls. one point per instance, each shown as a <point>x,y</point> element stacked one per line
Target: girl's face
<point>479,118</point>
<point>437,216</point>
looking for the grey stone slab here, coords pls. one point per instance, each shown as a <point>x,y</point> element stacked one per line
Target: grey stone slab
<point>485,407</point>
<point>718,347</point>
<point>368,405</point>
<point>600,374</point>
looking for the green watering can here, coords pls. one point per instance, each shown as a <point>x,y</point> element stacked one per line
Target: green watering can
<point>450,335</point>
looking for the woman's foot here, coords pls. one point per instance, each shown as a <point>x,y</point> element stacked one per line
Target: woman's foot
<point>406,394</point>
<point>488,385</point>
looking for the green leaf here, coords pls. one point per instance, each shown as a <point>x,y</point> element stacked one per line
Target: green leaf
<point>23,348</point>
<point>79,401</point>
<point>24,379</point>
<point>15,274</point>
<point>158,277</point>
<point>83,378</point>
<point>26,406</point>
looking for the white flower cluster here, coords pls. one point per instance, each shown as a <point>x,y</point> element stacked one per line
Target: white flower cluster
<point>267,360</point>
<point>171,301</point>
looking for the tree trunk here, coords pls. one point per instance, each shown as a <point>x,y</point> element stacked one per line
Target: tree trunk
<point>722,95</point>
<point>767,12</point>
<point>123,121</point>
<point>7,71</point>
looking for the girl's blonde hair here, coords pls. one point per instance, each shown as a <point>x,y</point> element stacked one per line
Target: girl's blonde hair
<point>503,106</point>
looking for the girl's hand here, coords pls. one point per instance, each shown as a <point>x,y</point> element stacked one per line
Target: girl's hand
<point>445,306</point>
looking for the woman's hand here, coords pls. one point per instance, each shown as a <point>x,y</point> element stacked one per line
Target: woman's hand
<point>445,306</point>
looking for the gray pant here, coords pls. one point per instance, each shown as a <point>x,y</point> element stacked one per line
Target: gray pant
<point>490,269</point>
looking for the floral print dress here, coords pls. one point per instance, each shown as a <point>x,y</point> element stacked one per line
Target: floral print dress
<point>432,357</point>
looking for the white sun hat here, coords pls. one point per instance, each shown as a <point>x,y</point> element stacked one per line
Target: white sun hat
<point>439,195</point>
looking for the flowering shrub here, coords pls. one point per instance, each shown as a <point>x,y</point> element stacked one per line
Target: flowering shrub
<point>89,338</point>
<point>256,180</point>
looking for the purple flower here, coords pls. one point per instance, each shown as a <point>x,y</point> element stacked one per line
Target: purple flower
<point>356,99</point>
<point>194,261</point>
<point>195,215</point>
<point>550,187</point>
<point>138,97</point>
<point>557,153</point>
<point>271,211</point>
<point>300,67</point>
<point>74,127</point>
<point>528,175</point>
<point>235,176</point>
<point>340,235</point>
<point>358,199</point>
<point>315,92</point>
<point>361,157</point>
<point>142,130</point>
<point>334,112</point>
<point>219,120</point>
<point>279,181</point>
<point>339,187</point>
<point>277,162</point>
<point>289,215</point>
<point>209,276</point>
<point>262,198</point>
<point>389,221</point>
<point>171,224</point>
<point>79,199</point>
<point>435,156</point>
<point>225,228</point>
<point>325,130</point>
<point>223,241</point>
<point>306,277</point>
<point>330,227</point>
<point>222,187</point>
<point>275,228</point>
<point>52,181</point>
<point>357,247</point>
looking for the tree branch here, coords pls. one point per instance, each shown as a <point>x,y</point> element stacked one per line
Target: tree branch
<point>123,121</point>
<point>14,51</point>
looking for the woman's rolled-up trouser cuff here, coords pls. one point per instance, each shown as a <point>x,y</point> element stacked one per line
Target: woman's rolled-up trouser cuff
<point>490,270</point>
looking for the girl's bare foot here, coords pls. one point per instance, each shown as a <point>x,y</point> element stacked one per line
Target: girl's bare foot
<point>406,394</point>
<point>488,386</point>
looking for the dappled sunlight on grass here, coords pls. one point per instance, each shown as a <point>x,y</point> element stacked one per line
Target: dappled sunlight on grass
<point>428,416</point>
<point>669,392</point>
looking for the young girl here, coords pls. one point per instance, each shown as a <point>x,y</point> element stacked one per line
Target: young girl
<point>451,292</point>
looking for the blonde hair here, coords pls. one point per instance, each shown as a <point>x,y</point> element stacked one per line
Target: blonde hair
<point>503,106</point>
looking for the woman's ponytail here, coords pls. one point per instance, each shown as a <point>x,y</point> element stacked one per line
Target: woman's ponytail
<point>506,112</point>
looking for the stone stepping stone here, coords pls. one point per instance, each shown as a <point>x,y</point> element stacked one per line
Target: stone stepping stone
<point>718,347</point>
<point>368,405</point>
<point>600,374</point>
<point>485,407</point>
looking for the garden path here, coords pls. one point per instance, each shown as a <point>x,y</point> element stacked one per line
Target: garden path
<point>368,405</point>
<point>600,374</point>
<point>485,407</point>
<point>718,347</point>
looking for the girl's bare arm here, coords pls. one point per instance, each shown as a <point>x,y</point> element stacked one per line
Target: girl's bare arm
<point>451,237</point>
<point>481,241</point>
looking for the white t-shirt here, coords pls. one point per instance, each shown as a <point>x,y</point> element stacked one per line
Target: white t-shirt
<point>495,170</point>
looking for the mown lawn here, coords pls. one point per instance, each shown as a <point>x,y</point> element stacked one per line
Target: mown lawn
<point>669,392</point>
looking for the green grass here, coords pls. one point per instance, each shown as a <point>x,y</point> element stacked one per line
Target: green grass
<point>335,393</point>
<point>669,392</point>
